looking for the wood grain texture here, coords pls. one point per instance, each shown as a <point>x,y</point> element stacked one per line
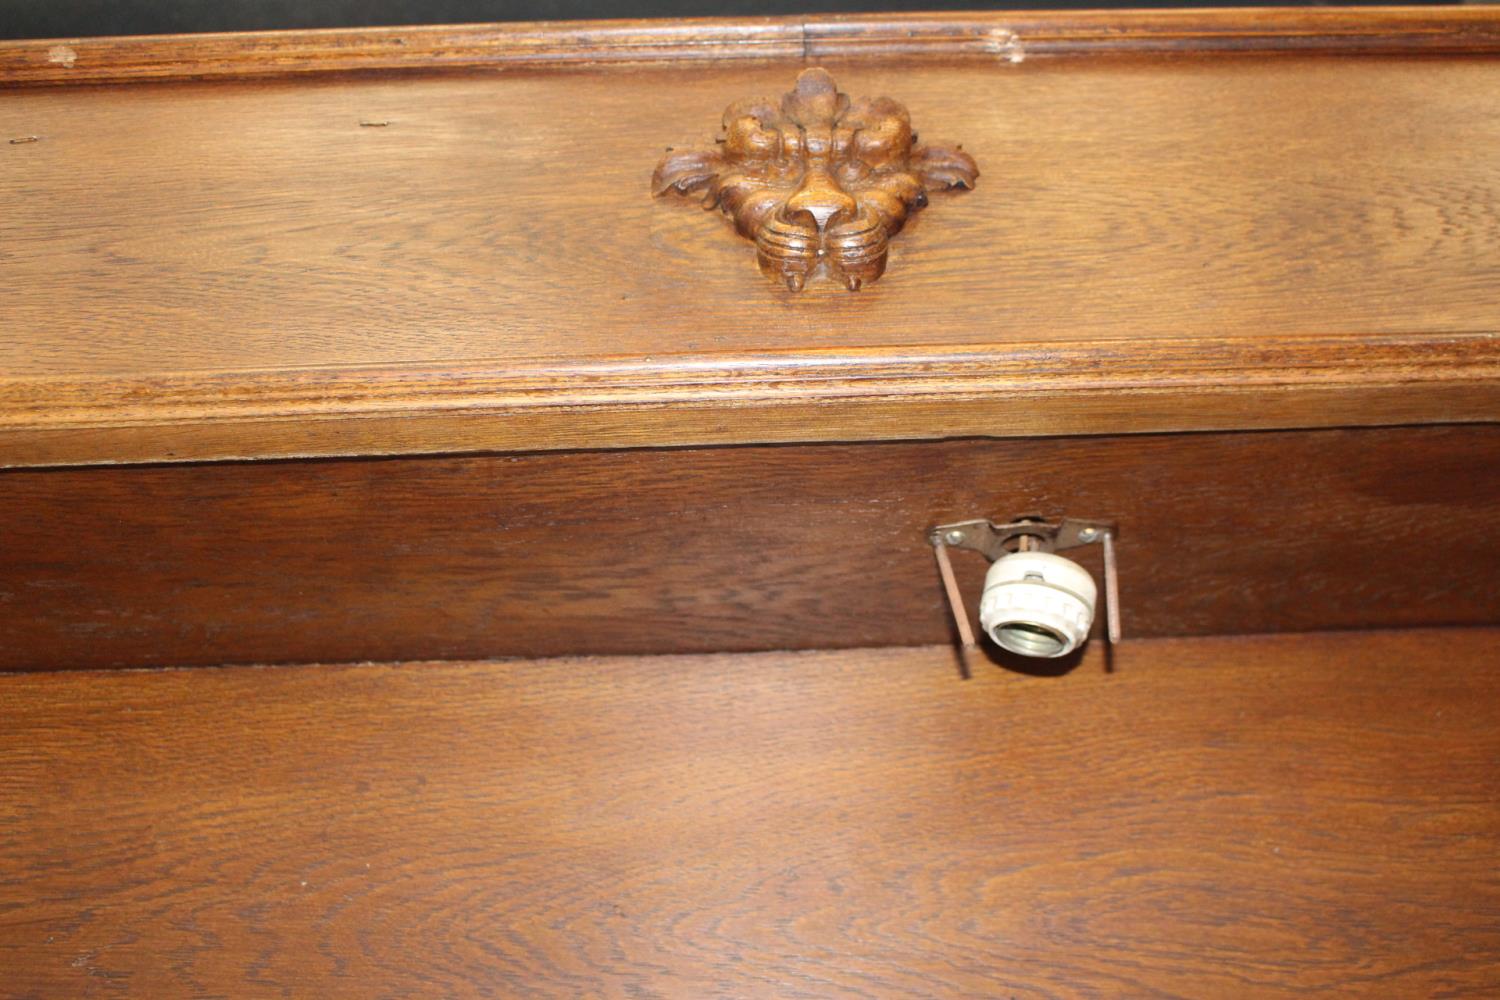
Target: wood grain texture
<point>1008,36</point>
<point>727,549</point>
<point>245,271</point>
<point>1291,816</point>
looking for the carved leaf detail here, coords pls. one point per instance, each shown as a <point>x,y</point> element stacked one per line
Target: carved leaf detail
<point>817,181</point>
<point>815,101</point>
<point>944,167</point>
<point>686,170</point>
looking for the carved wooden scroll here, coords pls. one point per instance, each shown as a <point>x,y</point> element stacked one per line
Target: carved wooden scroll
<point>819,182</point>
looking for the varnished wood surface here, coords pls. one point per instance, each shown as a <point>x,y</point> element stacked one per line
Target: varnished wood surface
<point>1010,36</point>
<point>1292,816</point>
<point>727,549</point>
<point>874,394</point>
<point>244,270</point>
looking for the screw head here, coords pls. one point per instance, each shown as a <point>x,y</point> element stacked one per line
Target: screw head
<point>953,537</point>
<point>1088,534</point>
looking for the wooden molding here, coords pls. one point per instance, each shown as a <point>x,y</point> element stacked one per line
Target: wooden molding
<point>850,394</point>
<point>1002,37</point>
<point>818,181</point>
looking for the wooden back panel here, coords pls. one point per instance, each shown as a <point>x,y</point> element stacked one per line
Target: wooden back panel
<point>727,549</point>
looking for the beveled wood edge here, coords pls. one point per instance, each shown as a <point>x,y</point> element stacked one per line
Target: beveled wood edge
<point>1000,37</point>
<point>1094,657</point>
<point>1111,387</point>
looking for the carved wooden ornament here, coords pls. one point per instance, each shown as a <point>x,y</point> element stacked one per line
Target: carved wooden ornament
<point>819,182</point>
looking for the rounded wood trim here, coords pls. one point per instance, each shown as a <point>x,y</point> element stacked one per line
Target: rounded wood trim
<point>832,395</point>
<point>1004,37</point>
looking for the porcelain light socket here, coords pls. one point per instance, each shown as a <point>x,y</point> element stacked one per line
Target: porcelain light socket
<point>1037,604</point>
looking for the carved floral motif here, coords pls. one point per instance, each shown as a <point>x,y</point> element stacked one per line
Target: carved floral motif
<point>819,182</point>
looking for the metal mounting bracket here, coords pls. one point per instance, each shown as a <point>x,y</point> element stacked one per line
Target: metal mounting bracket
<point>1032,534</point>
<point>994,540</point>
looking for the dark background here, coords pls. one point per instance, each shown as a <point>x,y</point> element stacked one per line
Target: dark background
<point>73,18</point>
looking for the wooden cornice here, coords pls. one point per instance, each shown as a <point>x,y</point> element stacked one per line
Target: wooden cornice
<point>1006,37</point>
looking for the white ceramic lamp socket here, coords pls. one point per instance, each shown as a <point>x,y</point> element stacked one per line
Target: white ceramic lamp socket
<point>1037,604</point>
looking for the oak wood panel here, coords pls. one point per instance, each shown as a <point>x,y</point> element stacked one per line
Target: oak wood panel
<point>260,226</point>
<point>1010,36</point>
<point>253,244</point>
<point>727,549</point>
<point>1290,816</point>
